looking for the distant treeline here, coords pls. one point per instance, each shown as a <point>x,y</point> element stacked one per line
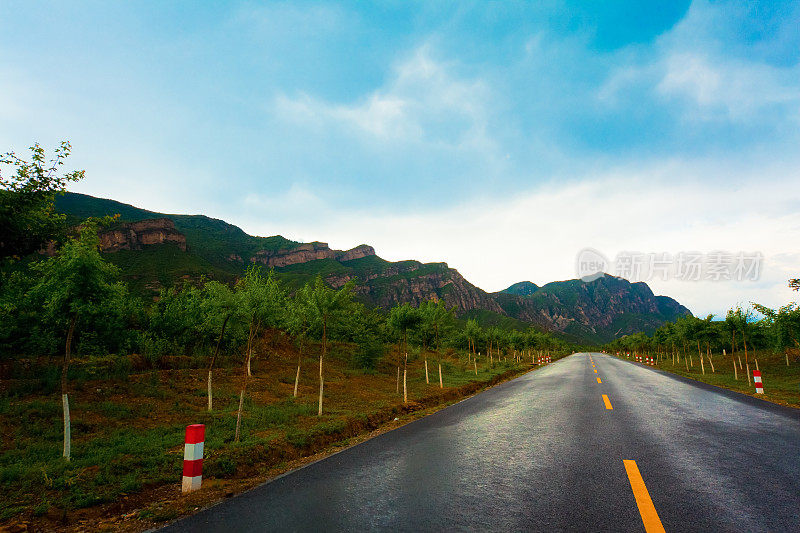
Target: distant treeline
<point>743,329</point>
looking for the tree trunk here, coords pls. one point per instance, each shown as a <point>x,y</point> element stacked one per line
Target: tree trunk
<point>249,347</point>
<point>476,366</point>
<point>405,374</point>
<point>214,360</point>
<point>239,415</point>
<point>700,355</point>
<point>735,371</point>
<point>428,381</point>
<point>744,341</point>
<point>210,394</point>
<point>67,452</point>
<point>747,366</point>
<point>297,376</point>
<point>321,357</point>
<point>67,429</point>
<point>440,376</point>
<point>241,394</point>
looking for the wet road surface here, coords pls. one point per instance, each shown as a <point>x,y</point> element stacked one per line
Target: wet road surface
<point>548,452</point>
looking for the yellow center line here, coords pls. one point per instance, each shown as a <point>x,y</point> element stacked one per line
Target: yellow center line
<point>652,523</point>
<point>607,401</point>
<point>595,371</point>
<point>598,380</point>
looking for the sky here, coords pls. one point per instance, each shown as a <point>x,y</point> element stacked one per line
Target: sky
<point>500,137</point>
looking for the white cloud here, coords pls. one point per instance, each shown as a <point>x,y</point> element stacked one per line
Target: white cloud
<point>692,64</point>
<point>423,102</point>
<point>737,89</point>
<point>537,234</point>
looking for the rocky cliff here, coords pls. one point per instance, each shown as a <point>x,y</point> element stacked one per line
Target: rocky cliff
<point>313,251</point>
<point>135,235</point>
<point>414,282</point>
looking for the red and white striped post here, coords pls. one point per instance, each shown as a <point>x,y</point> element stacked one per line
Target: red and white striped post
<point>757,381</point>
<point>193,457</point>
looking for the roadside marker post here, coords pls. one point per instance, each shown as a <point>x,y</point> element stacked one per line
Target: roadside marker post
<point>193,457</point>
<point>757,381</point>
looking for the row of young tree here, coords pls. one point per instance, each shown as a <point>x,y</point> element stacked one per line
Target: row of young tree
<point>76,298</point>
<point>76,301</point>
<point>742,330</point>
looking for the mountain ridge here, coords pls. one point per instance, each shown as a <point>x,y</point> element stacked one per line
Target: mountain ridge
<point>156,250</point>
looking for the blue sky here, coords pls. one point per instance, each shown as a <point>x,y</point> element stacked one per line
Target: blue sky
<point>500,137</point>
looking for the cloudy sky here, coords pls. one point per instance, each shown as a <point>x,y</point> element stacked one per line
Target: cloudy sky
<point>501,137</point>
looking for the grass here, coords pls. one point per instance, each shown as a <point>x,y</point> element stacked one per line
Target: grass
<point>128,430</point>
<point>781,382</point>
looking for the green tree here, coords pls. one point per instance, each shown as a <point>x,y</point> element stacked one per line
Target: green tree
<point>367,328</point>
<point>474,333</point>
<point>492,341</point>
<point>70,285</point>
<point>27,216</point>
<point>783,326</point>
<point>741,320</point>
<point>262,302</point>
<point>327,306</point>
<point>402,319</point>
<point>438,319</point>
<point>299,322</point>
<point>219,305</point>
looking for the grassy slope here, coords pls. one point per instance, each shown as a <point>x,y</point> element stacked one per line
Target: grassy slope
<point>781,382</point>
<point>210,242</point>
<point>211,239</point>
<point>127,428</point>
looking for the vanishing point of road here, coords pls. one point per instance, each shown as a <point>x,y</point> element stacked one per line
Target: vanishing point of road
<point>588,443</point>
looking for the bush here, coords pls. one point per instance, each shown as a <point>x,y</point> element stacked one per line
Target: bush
<point>368,354</point>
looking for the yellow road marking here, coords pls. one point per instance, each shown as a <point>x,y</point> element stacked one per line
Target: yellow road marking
<point>607,401</point>
<point>652,523</point>
<point>595,371</point>
<point>598,380</point>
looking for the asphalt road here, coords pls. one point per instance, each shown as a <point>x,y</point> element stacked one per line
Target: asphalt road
<point>544,453</point>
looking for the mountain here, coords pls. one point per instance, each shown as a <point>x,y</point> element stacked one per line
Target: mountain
<point>156,250</point>
<point>523,288</point>
<point>598,310</point>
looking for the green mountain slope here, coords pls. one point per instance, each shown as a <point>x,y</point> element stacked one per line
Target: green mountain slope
<point>596,311</point>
